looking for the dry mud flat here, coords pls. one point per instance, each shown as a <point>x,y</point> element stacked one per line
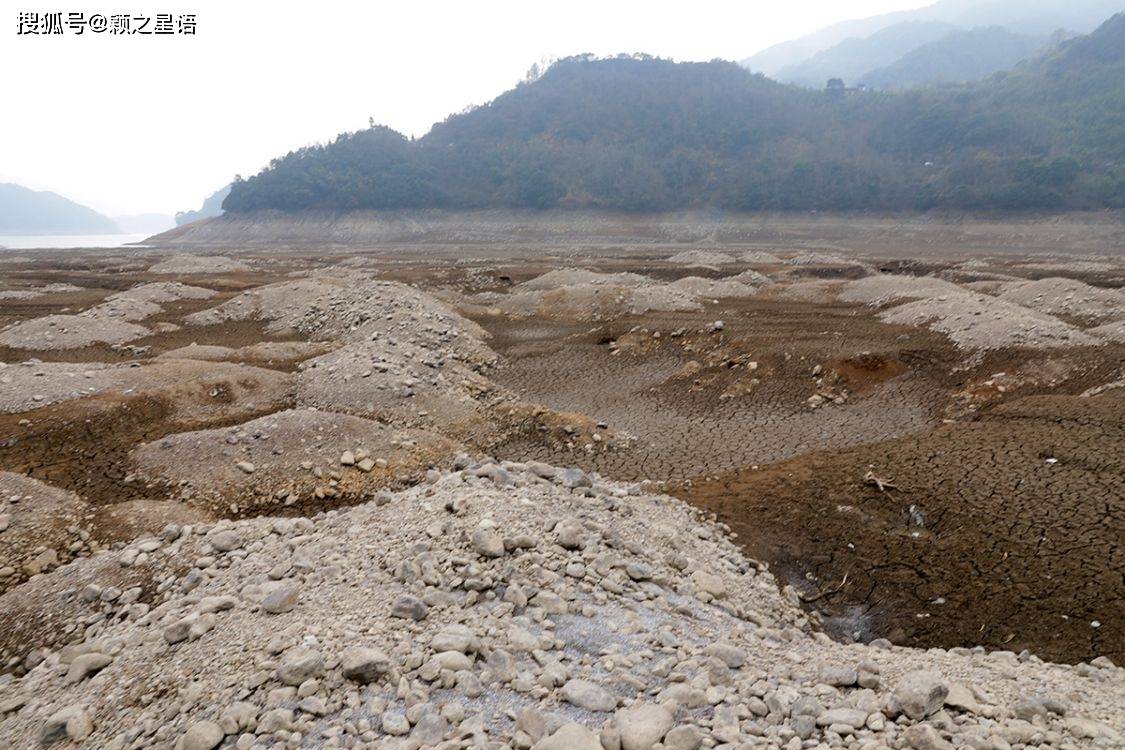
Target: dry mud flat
<point>1006,530</point>
<point>504,602</point>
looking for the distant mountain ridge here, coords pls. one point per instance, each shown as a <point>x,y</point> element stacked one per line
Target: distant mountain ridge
<point>959,57</point>
<point>25,211</point>
<point>1030,17</point>
<point>854,57</point>
<point>636,133</point>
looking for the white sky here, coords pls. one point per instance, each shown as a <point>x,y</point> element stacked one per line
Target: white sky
<point>155,123</point>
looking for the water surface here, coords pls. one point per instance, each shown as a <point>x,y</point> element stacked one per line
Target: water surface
<point>32,241</point>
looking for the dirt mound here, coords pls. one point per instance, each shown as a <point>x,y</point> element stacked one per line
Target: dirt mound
<point>265,353</point>
<point>701,288</point>
<point>978,321</point>
<point>751,277</point>
<point>587,296</point>
<point>1068,297</point>
<point>405,385</point>
<point>884,289</point>
<point>1112,331</point>
<point>601,609</point>
<point>701,258</point>
<point>301,457</point>
<point>568,277</point>
<point>70,332</point>
<point>355,310</point>
<point>111,322</point>
<point>40,527</point>
<point>598,301</point>
<point>159,292</point>
<point>189,265</point>
<point>817,259</point>
<point>199,388</point>
<point>38,291</point>
<point>759,258</point>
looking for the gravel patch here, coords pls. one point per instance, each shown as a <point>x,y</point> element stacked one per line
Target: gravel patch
<point>978,321</point>
<point>1069,297</point>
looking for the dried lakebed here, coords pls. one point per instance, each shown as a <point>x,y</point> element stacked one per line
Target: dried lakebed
<point>317,506</point>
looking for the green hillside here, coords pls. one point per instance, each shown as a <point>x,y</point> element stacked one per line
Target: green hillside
<point>643,134</point>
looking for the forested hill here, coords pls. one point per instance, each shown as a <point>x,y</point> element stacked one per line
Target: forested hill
<point>643,134</point>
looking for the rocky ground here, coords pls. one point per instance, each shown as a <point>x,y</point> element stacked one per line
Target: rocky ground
<point>362,500</point>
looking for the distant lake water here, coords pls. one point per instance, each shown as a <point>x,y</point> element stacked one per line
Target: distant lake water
<point>32,241</point>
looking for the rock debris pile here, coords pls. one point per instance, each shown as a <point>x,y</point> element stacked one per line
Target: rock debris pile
<point>111,322</point>
<point>500,605</point>
<point>971,320</point>
<point>577,294</point>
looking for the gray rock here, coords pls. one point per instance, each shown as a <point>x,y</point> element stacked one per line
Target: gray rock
<point>72,722</point>
<point>919,694</point>
<point>454,638</point>
<point>570,534</point>
<point>202,735</point>
<point>838,676</point>
<point>85,665</point>
<point>642,725</point>
<point>430,730</point>
<point>588,695</point>
<point>925,737</point>
<point>806,705</point>
<point>570,737</point>
<point>732,656</point>
<point>299,664</point>
<point>210,604</point>
<point>275,720</point>
<point>852,717</point>
<point>961,698</point>
<point>409,608</point>
<point>572,478</point>
<point>804,726</point>
<point>683,738</point>
<point>238,717</point>
<point>364,665</point>
<point>281,600</point>
<point>1029,708</point>
<point>225,541</point>
<point>394,723</point>
<point>487,543</point>
<point>179,630</point>
<point>541,470</point>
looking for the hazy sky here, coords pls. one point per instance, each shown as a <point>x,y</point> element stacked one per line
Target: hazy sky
<point>134,124</point>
